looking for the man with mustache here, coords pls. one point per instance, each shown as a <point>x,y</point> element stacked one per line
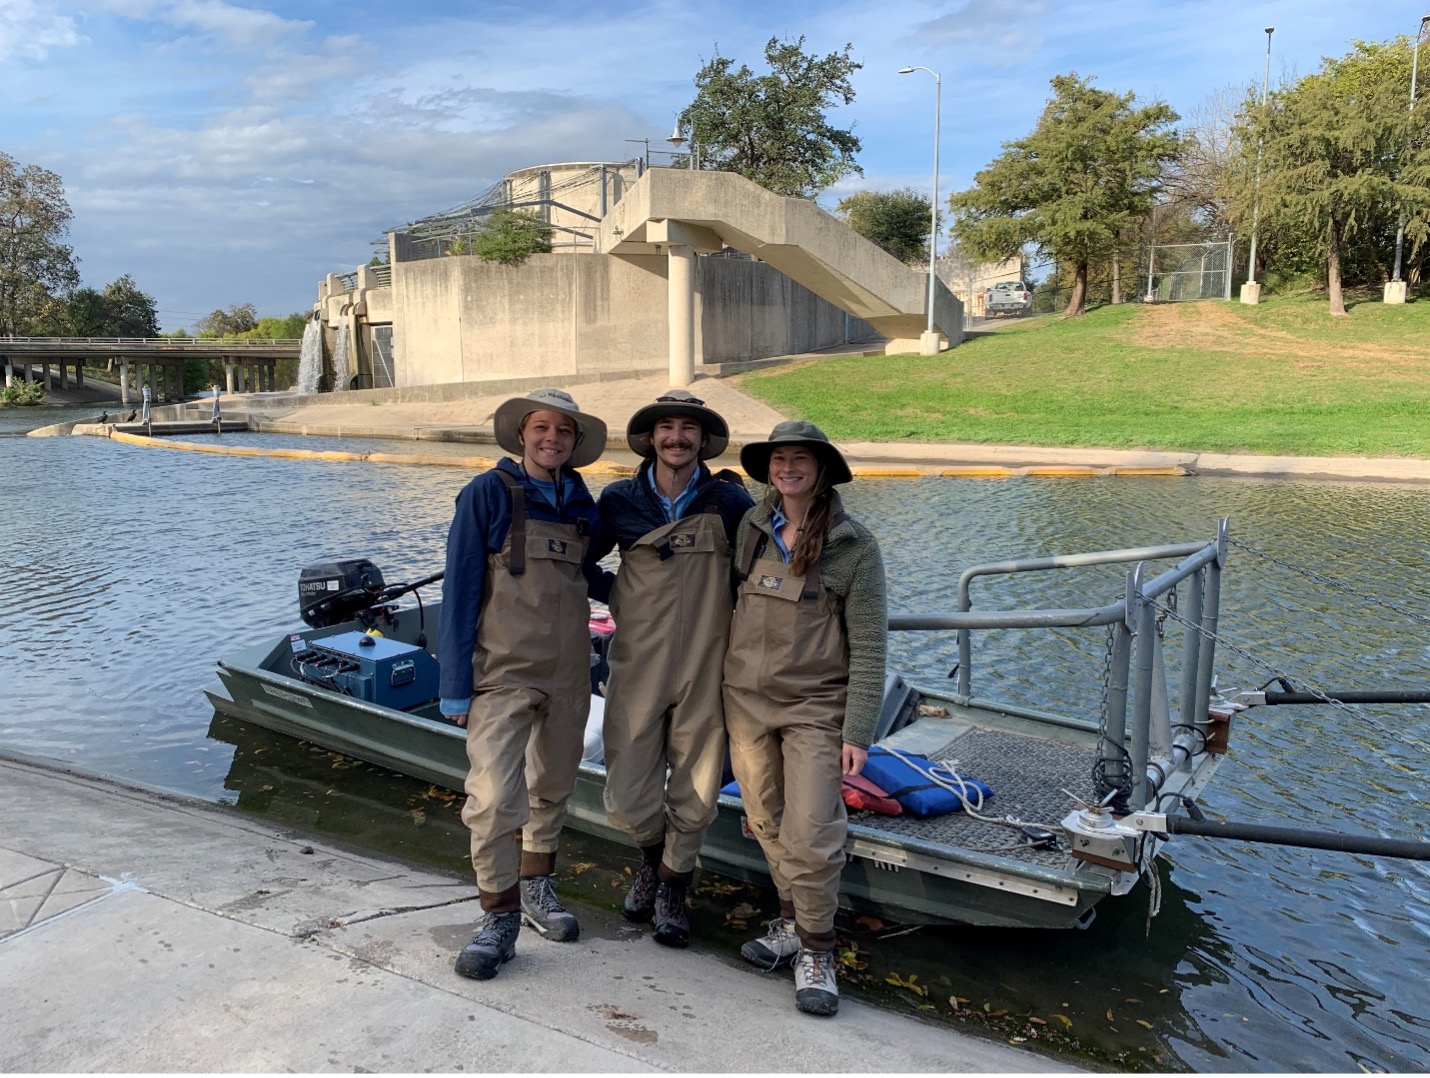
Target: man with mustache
<point>665,730</point>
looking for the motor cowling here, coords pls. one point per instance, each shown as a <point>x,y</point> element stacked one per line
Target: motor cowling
<point>332,592</point>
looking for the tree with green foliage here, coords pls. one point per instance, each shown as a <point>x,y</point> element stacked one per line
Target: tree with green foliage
<point>505,235</point>
<point>37,268</point>
<point>236,319</point>
<point>1089,169</point>
<point>898,221</point>
<point>1338,160</point>
<point>774,128</point>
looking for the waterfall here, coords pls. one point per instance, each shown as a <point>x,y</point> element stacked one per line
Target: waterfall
<point>342,376</point>
<point>310,357</point>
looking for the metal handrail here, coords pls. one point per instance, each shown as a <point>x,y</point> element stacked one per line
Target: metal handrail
<point>156,342</point>
<point>1131,617</point>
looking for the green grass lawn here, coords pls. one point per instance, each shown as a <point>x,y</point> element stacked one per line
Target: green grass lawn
<point>1282,378</point>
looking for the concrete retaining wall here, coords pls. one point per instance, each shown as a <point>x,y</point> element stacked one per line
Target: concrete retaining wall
<point>462,319</point>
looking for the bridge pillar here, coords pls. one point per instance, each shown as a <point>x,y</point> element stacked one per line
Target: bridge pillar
<point>123,381</point>
<point>9,373</point>
<point>680,301</point>
<point>228,373</point>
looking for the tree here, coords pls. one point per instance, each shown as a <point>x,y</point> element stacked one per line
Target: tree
<point>238,318</point>
<point>507,236</point>
<point>36,266</point>
<point>1338,160</point>
<point>1090,168</point>
<point>773,128</point>
<point>898,221</point>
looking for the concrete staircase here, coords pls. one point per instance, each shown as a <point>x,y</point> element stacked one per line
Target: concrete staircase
<point>707,211</point>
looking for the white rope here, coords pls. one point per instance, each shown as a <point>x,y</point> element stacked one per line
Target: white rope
<point>945,777</point>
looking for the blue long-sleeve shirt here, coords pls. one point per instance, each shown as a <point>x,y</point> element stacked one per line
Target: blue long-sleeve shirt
<point>479,529</point>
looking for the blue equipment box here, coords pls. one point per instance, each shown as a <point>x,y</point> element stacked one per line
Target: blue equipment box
<point>389,673</point>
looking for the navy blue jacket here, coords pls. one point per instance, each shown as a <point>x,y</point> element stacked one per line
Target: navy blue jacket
<point>479,529</point>
<point>630,509</point>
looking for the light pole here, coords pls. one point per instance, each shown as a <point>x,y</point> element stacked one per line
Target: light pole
<point>1251,291</point>
<point>1397,294</point>
<point>929,345</point>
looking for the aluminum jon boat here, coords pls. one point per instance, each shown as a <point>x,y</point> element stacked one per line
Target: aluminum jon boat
<point>1049,844</point>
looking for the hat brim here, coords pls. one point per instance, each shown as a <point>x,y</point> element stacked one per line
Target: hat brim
<point>506,426</point>
<point>712,424</point>
<point>755,459</point>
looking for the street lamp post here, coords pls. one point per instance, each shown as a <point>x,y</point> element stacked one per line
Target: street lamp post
<point>1251,291</point>
<point>1395,287</point>
<point>929,344</point>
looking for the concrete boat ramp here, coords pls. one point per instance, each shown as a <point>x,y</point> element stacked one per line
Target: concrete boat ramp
<point>145,932</point>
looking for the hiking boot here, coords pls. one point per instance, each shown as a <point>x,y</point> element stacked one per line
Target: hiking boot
<point>494,943</point>
<point>672,916</point>
<point>639,905</point>
<point>815,989</point>
<point>543,911</point>
<point>775,948</point>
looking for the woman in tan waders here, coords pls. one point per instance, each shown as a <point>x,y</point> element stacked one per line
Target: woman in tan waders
<point>804,683</point>
<point>515,656</point>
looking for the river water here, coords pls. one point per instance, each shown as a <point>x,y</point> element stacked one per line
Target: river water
<point>133,568</point>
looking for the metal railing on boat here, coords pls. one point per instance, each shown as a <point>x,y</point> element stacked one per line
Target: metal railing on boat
<point>1125,770</point>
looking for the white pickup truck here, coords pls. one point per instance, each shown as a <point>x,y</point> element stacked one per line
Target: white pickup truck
<point>1008,297</point>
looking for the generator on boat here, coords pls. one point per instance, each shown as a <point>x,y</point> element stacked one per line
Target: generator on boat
<point>385,672</point>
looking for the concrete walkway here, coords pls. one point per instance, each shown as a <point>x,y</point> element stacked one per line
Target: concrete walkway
<point>144,932</point>
<point>470,419</point>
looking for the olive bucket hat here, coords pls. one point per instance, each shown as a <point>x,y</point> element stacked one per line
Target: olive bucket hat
<point>755,457</point>
<point>510,414</point>
<point>678,402</point>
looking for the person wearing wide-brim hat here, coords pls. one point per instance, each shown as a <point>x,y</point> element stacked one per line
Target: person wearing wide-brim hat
<point>674,522</point>
<point>804,684</point>
<point>514,651</point>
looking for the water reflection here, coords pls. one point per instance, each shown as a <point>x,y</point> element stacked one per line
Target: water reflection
<point>132,569</point>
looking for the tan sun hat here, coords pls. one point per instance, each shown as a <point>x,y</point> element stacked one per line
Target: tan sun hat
<point>510,414</point>
<point>755,457</point>
<point>674,402</point>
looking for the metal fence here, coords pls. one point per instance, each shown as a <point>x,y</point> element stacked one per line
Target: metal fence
<point>1175,272</point>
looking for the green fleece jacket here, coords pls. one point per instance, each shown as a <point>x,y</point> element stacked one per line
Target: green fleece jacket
<point>852,568</point>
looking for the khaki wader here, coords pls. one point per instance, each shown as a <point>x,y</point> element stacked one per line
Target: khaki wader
<point>671,604</point>
<point>786,681</point>
<point>530,700</point>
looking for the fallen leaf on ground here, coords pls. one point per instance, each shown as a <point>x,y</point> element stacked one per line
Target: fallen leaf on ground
<point>873,924</point>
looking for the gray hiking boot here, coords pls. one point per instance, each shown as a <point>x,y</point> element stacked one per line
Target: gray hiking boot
<point>815,988</point>
<point>776,948</point>
<point>494,943</point>
<point>672,916</point>
<point>543,911</point>
<point>639,905</point>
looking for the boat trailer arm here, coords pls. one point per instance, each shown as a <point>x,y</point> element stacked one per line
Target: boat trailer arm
<point>1158,824</point>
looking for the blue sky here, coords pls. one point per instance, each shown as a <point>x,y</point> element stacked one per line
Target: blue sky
<point>225,152</point>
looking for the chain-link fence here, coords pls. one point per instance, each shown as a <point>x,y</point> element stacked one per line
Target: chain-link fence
<point>1175,272</point>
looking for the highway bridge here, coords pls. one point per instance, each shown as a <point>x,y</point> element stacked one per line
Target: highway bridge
<point>154,361</point>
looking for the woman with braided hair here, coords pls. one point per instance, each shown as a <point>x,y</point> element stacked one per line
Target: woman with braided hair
<point>804,683</point>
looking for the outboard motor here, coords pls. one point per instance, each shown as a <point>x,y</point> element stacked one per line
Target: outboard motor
<point>332,592</point>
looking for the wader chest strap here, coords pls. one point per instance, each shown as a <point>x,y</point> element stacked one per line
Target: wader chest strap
<point>516,566</point>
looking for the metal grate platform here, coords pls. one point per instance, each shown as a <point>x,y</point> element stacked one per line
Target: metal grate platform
<point>1028,776</point>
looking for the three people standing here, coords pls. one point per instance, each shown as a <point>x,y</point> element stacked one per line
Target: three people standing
<point>773,614</point>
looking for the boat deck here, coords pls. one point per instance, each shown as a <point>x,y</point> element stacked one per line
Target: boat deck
<point>1031,779</point>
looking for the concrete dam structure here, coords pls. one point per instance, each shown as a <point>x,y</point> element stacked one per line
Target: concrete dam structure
<point>686,271</point>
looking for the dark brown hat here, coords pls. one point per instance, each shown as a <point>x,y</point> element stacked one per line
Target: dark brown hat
<point>755,457</point>
<point>678,402</point>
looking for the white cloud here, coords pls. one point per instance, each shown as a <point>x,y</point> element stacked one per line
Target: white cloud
<point>30,32</point>
<point>1005,32</point>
